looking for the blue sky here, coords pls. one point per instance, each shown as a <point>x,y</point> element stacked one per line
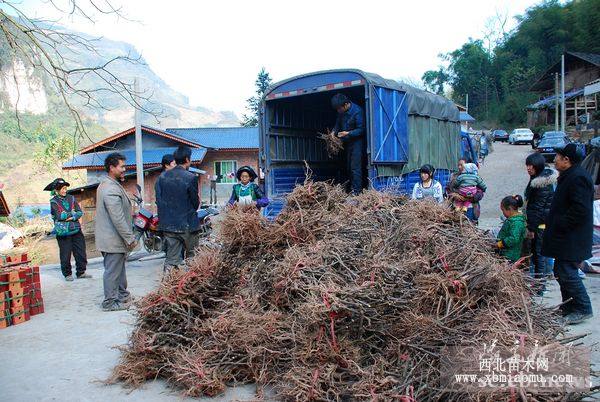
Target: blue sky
<point>211,51</point>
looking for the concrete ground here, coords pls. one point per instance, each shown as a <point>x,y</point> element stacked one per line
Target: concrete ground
<point>66,353</point>
<point>504,173</point>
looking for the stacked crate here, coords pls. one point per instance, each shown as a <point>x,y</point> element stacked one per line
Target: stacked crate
<point>20,291</point>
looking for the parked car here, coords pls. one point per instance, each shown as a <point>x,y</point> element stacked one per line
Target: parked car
<point>500,135</point>
<point>549,134</point>
<point>520,136</point>
<point>554,134</point>
<point>547,144</point>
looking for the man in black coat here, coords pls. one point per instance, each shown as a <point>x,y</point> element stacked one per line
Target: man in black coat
<point>178,201</point>
<point>350,127</point>
<point>568,236</point>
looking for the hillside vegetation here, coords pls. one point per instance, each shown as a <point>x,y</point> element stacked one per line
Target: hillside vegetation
<point>497,70</point>
<point>36,141</point>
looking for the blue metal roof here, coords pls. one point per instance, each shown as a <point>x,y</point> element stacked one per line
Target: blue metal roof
<point>550,101</point>
<point>219,137</point>
<point>150,157</point>
<point>464,116</point>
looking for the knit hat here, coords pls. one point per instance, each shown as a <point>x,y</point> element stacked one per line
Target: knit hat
<point>471,168</point>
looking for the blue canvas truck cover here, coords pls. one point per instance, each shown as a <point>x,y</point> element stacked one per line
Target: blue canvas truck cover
<point>405,128</point>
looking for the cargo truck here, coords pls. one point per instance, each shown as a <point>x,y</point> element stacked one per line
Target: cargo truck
<point>405,128</point>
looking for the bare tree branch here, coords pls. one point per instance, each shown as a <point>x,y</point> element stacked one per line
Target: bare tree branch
<point>54,51</point>
<point>495,30</point>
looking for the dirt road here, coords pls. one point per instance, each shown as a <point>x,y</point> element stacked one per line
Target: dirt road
<point>504,173</point>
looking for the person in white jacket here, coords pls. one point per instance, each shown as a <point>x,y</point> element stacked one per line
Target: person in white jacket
<point>428,187</point>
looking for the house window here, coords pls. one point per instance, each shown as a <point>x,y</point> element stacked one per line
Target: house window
<point>226,171</point>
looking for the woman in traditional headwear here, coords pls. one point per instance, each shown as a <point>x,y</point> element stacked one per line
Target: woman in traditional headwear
<point>66,213</point>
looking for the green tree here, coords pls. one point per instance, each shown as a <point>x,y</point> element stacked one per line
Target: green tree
<point>471,72</point>
<point>56,152</point>
<point>498,70</point>
<point>434,81</point>
<point>262,82</point>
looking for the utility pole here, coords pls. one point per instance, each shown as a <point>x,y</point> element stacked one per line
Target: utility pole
<point>139,162</point>
<point>467,102</point>
<point>563,110</point>
<point>486,98</point>
<point>555,101</point>
<point>587,117</point>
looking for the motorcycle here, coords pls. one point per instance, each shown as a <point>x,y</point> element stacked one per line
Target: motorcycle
<point>145,224</point>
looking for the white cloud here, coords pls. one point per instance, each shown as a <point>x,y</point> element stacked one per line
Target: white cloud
<point>211,51</point>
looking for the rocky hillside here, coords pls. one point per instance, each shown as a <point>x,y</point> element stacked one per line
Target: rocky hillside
<point>43,119</point>
<point>29,91</point>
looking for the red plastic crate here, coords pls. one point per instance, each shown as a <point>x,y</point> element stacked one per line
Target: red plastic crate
<point>35,292</point>
<point>26,275</point>
<point>19,317</point>
<point>4,322</point>
<point>37,307</point>
<point>20,291</point>
<point>35,274</point>
<point>12,262</point>
<point>3,281</point>
<point>15,283</point>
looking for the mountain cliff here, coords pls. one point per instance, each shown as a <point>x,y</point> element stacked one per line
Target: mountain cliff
<point>29,91</point>
<point>43,119</point>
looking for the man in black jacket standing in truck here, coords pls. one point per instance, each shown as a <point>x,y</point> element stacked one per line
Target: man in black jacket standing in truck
<point>350,127</point>
<point>568,236</point>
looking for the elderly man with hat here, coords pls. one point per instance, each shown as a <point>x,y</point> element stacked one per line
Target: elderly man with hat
<point>66,214</point>
<point>568,236</point>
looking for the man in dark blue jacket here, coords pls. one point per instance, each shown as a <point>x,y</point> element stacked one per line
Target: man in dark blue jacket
<point>568,236</point>
<point>178,201</point>
<point>350,127</point>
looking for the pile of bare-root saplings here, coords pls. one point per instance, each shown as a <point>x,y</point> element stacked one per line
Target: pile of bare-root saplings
<point>339,298</point>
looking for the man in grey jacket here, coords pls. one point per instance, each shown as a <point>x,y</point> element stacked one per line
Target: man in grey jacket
<point>114,232</point>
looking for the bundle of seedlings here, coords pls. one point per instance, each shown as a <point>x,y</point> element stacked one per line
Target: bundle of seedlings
<point>333,143</point>
<point>338,298</point>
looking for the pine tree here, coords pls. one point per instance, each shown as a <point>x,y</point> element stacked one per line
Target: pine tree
<point>263,80</point>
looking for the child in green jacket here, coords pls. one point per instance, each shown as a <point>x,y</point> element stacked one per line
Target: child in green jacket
<point>511,236</point>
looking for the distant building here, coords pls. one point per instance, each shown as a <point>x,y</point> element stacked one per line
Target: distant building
<point>215,151</point>
<point>580,70</point>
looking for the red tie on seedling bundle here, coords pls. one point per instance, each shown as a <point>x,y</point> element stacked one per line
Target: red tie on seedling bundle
<point>410,397</point>
<point>456,284</point>
<point>332,316</point>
